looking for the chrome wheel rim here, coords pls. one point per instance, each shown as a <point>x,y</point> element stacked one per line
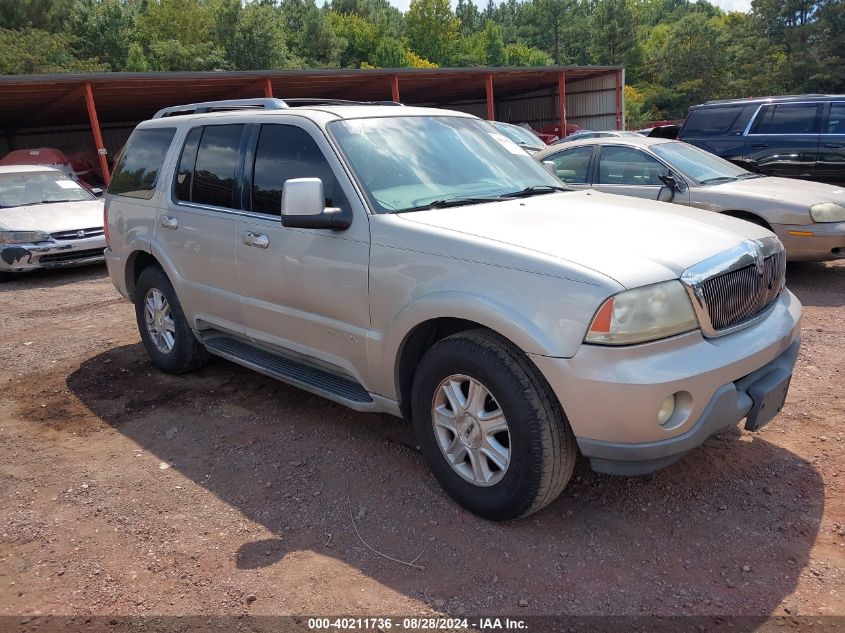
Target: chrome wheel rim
<point>471,430</point>
<point>160,324</point>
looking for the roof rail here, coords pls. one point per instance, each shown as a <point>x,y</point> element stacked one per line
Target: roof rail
<point>259,104</point>
<point>221,106</point>
<point>307,101</point>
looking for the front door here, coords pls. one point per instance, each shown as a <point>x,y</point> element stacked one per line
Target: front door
<point>305,290</point>
<point>783,140</point>
<point>572,165</point>
<point>629,171</point>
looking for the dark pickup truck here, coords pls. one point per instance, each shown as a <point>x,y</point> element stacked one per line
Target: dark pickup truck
<point>799,136</point>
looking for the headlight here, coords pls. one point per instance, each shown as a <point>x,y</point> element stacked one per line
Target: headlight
<point>827,212</point>
<point>23,237</point>
<point>643,314</point>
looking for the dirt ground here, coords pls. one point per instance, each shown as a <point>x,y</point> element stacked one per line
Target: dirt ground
<point>125,491</point>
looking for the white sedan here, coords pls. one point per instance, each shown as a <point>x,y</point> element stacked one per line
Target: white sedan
<point>47,220</point>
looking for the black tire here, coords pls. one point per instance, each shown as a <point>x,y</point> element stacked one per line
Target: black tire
<point>542,447</point>
<point>187,352</point>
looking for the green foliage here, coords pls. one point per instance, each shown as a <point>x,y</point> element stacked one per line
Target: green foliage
<point>432,30</point>
<point>258,40</point>
<point>675,52</point>
<point>101,28</point>
<point>33,51</point>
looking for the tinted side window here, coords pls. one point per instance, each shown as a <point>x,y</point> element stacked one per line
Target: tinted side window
<point>217,159</point>
<point>285,152</point>
<point>711,121</point>
<point>573,165</point>
<point>140,162</point>
<point>185,173</point>
<point>836,120</point>
<point>627,166</point>
<point>788,118</point>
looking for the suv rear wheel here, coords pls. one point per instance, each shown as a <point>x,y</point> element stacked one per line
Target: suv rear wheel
<point>489,426</point>
<point>165,331</point>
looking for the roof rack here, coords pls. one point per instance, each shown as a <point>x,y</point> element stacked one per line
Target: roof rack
<point>222,106</point>
<point>258,104</point>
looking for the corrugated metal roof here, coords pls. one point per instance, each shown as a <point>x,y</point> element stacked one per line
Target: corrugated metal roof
<point>35,100</point>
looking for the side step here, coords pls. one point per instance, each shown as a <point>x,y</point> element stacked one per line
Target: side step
<point>288,370</point>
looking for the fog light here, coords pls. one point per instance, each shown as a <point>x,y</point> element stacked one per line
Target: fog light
<point>666,410</point>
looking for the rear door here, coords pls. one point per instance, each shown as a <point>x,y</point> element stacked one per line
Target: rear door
<point>628,171</point>
<point>572,165</point>
<point>831,167</point>
<point>196,225</point>
<point>783,140</point>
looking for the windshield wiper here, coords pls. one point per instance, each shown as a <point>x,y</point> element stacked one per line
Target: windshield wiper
<point>535,190</point>
<point>718,179</point>
<point>444,203</point>
<point>749,175</point>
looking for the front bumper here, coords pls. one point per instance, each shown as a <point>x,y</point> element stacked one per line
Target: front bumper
<point>611,395</point>
<point>817,242</point>
<point>17,258</point>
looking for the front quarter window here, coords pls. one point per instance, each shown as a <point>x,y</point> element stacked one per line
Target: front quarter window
<point>408,162</point>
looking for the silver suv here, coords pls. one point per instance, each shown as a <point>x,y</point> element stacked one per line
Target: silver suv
<point>418,262</point>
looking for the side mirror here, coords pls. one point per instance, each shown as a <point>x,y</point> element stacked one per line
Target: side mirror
<point>304,207</point>
<point>671,184</point>
<point>97,192</point>
<point>550,166</point>
<point>675,183</point>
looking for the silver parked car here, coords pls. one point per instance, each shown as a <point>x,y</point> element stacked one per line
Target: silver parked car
<point>808,217</point>
<point>415,262</point>
<point>523,137</point>
<point>47,220</point>
<point>581,135</point>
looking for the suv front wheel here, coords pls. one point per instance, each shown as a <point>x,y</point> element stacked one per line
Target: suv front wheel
<point>490,427</point>
<point>165,332</point>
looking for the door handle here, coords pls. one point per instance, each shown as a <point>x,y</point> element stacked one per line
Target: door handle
<point>759,145</point>
<point>258,240</point>
<point>169,222</point>
<point>832,145</point>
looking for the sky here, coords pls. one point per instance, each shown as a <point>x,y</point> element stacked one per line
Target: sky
<point>727,5</point>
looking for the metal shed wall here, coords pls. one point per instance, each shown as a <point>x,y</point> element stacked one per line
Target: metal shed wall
<point>590,104</point>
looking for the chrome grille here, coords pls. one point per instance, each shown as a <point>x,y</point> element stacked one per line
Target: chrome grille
<point>735,288</point>
<point>739,295</point>
<point>78,234</point>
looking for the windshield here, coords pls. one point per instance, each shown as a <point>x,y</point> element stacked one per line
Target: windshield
<point>697,164</point>
<point>39,187</point>
<point>408,163</point>
<point>519,134</point>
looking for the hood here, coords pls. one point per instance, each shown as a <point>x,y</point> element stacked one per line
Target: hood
<point>57,216</point>
<point>784,190</point>
<point>633,241</point>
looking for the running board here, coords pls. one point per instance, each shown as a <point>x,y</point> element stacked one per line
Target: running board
<point>344,390</point>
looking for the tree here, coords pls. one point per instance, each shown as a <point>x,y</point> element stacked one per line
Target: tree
<point>469,16</point>
<point>33,51</point>
<point>521,55</point>
<point>103,29</point>
<point>432,30</point>
<point>45,15</point>
<point>494,44</point>
<point>310,34</point>
<point>259,41</point>
<point>613,38</point>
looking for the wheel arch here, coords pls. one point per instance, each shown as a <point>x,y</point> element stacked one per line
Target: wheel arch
<point>419,340</point>
<point>748,216</point>
<point>135,264</point>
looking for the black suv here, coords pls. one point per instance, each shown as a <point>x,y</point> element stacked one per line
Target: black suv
<point>797,136</point>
